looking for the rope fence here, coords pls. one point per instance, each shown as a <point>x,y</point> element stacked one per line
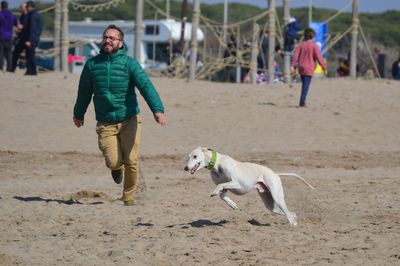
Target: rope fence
<point>95,7</point>
<point>214,30</point>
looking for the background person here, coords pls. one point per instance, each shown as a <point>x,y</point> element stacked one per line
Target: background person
<point>290,34</point>
<point>111,78</point>
<point>21,36</point>
<point>396,69</point>
<point>305,55</point>
<point>7,23</point>
<point>343,69</point>
<point>34,28</point>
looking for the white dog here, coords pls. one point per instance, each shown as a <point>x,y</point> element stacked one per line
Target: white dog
<point>240,177</point>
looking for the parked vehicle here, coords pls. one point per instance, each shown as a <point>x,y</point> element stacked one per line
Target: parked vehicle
<point>79,51</point>
<point>157,37</point>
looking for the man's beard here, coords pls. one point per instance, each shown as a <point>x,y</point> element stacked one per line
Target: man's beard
<point>110,48</point>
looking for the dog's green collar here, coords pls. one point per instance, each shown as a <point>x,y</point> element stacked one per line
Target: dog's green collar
<point>213,160</point>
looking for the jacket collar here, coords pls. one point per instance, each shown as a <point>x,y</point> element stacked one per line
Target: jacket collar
<point>114,56</point>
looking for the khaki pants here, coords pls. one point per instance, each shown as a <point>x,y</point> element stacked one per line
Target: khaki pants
<point>120,146</point>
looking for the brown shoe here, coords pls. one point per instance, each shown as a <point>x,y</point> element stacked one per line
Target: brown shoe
<point>118,175</point>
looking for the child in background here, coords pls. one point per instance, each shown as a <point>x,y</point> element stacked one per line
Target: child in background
<point>305,55</point>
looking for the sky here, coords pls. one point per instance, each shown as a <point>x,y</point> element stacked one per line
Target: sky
<point>372,6</point>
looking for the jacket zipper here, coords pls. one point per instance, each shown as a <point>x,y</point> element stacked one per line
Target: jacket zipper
<point>108,81</point>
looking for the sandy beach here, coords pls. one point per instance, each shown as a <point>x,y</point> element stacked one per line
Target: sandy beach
<point>57,198</point>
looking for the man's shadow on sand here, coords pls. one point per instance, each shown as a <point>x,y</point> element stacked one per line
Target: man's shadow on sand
<point>40,199</point>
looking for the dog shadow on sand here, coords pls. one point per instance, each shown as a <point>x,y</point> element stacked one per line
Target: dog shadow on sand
<point>205,223</point>
<point>199,224</point>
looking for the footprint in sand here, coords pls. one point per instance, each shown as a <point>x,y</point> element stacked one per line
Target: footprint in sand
<point>91,197</point>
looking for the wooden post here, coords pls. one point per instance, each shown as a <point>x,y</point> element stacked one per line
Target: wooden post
<point>64,36</point>
<point>254,53</point>
<point>271,41</point>
<point>354,34</point>
<point>167,9</point>
<point>194,45</point>
<point>286,60</point>
<point>138,30</point>
<point>184,19</point>
<point>224,28</point>
<point>57,34</point>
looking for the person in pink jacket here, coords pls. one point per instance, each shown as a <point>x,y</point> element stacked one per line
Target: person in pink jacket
<point>305,55</point>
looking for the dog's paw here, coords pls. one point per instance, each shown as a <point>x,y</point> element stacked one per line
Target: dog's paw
<point>292,219</point>
<point>215,193</point>
<point>232,205</point>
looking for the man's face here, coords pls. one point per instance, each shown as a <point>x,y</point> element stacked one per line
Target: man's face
<point>111,41</point>
<point>23,8</point>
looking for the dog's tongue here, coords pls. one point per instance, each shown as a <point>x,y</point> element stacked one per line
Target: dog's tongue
<point>194,168</point>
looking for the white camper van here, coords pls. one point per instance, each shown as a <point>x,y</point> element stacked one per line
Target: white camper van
<point>156,36</point>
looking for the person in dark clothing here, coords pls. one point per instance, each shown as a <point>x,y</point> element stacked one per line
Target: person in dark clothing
<point>34,29</point>
<point>7,22</point>
<point>291,34</point>
<point>230,71</point>
<point>396,69</point>
<point>343,69</point>
<point>21,36</point>
<point>230,53</point>
<point>262,57</point>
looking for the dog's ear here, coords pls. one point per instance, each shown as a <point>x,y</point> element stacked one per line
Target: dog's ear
<point>204,148</point>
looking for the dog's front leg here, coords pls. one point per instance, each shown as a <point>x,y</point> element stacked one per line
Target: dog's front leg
<point>228,185</point>
<point>227,200</point>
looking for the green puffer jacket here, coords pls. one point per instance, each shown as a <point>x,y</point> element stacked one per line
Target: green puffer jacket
<point>111,79</point>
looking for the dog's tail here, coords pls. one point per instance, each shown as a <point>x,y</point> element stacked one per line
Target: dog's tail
<point>299,177</point>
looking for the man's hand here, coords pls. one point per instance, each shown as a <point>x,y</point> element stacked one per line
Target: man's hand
<point>78,122</point>
<point>160,118</point>
<point>292,69</point>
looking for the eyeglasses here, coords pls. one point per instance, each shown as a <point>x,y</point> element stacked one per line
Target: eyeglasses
<point>110,38</point>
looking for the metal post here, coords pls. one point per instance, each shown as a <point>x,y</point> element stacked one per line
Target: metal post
<point>238,55</point>
<point>271,41</point>
<point>64,36</point>
<point>309,12</point>
<point>286,60</point>
<point>138,30</point>
<point>155,33</point>
<point>354,34</point>
<point>254,53</point>
<point>194,45</point>
<point>57,34</point>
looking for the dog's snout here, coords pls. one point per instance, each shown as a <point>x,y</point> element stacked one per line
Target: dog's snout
<point>186,168</point>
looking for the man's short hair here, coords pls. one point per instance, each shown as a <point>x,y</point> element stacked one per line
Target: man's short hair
<point>30,4</point>
<point>113,27</point>
<point>4,4</point>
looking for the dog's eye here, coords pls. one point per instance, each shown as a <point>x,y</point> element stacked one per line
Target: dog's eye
<point>195,157</point>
